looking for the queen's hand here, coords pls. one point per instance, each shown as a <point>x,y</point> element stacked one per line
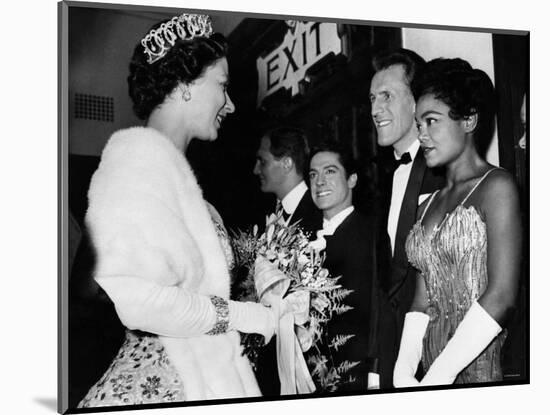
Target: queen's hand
<point>249,317</point>
<point>272,284</point>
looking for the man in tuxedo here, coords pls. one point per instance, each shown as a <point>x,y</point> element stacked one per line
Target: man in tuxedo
<point>405,181</point>
<point>351,249</point>
<point>280,164</point>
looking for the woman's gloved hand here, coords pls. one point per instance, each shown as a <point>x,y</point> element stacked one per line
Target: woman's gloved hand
<point>249,317</point>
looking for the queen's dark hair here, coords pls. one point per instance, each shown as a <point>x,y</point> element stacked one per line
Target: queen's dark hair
<point>150,83</point>
<point>465,90</point>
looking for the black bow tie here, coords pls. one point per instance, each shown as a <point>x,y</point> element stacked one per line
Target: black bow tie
<point>405,159</point>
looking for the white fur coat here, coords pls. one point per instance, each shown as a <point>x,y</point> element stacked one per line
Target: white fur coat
<point>158,257</point>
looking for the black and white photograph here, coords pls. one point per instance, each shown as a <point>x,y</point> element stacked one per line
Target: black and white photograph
<point>278,209</point>
<point>264,207</point>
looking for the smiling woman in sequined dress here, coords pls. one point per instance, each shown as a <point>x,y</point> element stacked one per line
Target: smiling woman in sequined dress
<point>465,242</point>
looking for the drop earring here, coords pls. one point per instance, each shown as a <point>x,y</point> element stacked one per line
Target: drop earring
<point>186,94</point>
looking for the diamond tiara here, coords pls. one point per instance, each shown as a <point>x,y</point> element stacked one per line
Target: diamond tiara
<point>186,27</point>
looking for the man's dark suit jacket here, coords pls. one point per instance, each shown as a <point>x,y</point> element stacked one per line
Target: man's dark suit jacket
<point>309,216</point>
<point>401,282</point>
<point>351,252</point>
<point>311,220</point>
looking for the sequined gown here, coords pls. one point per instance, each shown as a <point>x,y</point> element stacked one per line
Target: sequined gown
<point>453,262</point>
<point>141,372</point>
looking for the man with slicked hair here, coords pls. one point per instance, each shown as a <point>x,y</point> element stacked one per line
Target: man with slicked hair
<point>351,246</point>
<point>281,161</point>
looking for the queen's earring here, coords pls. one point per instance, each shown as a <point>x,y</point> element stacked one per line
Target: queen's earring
<point>186,94</point>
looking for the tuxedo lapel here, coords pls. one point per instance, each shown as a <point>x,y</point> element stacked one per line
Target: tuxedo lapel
<point>407,217</point>
<point>340,240</point>
<point>351,254</point>
<point>305,206</point>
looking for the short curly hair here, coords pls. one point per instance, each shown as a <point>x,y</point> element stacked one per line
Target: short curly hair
<point>150,83</point>
<point>465,90</point>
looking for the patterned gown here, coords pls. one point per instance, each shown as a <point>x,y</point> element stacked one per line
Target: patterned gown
<point>141,372</point>
<point>453,262</point>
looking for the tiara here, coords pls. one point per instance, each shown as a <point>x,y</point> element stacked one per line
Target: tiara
<point>186,27</point>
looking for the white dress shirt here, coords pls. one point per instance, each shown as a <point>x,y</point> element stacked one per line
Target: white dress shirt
<point>292,199</point>
<point>400,180</point>
<point>329,227</point>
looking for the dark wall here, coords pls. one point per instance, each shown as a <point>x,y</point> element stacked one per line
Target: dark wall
<point>511,59</point>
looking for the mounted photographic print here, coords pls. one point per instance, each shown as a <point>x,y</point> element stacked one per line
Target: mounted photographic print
<point>261,207</point>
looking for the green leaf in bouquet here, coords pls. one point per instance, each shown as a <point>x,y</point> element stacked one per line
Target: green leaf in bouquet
<point>318,362</point>
<point>340,293</point>
<point>330,381</point>
<point>341,309</point>
<point>345,366</point>
<point>269,233</point>
<point>339,340</point>
<point>252,343</point>
<point>320,302</point>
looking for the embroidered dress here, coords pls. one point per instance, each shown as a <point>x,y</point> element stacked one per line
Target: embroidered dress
<point>453,262</point>
<point>141,372</point>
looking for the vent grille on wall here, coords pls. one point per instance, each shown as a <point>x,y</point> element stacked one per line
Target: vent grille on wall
<point>94,107</point>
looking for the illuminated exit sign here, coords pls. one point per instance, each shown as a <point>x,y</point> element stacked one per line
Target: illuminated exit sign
<point>305,43</point>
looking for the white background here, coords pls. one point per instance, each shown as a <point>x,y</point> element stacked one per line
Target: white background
<point>28,228</point>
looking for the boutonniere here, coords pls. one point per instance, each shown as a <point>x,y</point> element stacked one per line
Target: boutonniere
<point>318,244</point>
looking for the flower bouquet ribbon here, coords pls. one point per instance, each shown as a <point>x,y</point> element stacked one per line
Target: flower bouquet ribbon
<point>271,287</point>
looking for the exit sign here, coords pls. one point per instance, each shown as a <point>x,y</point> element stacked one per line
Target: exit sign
<point>304,44</point>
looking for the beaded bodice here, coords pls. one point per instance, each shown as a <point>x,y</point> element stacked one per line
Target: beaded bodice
<point>452,259</point>
<point>222,236</point>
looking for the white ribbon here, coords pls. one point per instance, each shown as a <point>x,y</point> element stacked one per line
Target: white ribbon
<point>320,243</point>
<point>271,287</point>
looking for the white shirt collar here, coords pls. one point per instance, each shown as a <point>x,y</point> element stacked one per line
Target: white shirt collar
<point>412,150</point>
<point>330,225</point>
<point>292,199</point>
<point>400,180</point>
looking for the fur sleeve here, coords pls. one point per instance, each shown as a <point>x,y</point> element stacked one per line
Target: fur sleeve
<point>147,261</point>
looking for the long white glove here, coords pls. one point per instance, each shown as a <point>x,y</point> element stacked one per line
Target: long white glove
<point>410,349</point>
<point>254,317</point>
<point>248,317</point>
<point>176,312</point>
<point>472,336</point>
<point>271,283</point>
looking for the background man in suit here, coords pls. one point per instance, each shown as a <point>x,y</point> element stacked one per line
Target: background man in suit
<point>280,164</point>
<point>351,252</point>
<point>405,181</point>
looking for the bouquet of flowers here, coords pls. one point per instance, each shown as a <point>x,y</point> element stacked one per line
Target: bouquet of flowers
<point>288,247</point>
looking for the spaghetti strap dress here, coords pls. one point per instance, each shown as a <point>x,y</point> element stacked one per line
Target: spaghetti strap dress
<point>453,262</point>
